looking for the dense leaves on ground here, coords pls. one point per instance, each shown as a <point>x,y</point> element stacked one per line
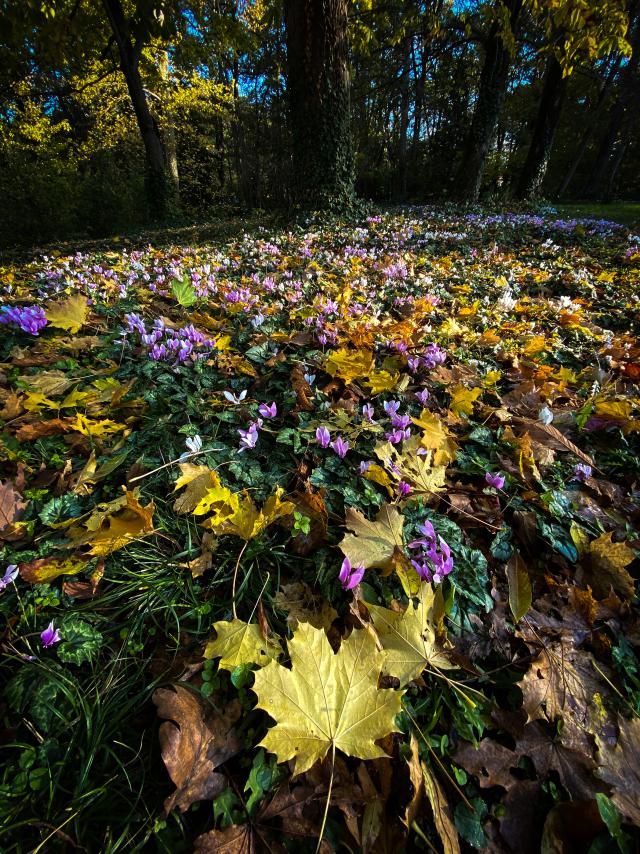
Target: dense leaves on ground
<point>324,537</point>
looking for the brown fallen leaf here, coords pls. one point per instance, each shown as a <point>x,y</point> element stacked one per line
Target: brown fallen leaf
<point>237,839</point>
<point>620,768</point>
<point>11,509</point>
<point>38,430</point>
<point>490,762</point>
<point>302,605</point>
<point>195,740</point>
<point>417,781</point>
<point>442,816</point>
<point>304,392</point>
<point>571,827</point>
<point>605,567</point>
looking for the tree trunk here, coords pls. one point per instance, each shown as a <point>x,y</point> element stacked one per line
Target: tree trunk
<point>621,123</point>
<point>544,132</point>
<point>155,177</point>
<point>318,93</point>
<point>491,93</point>
<point>400,189</point>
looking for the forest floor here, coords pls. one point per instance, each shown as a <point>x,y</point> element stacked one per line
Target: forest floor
<point>626,213</point>
<point>323,533</point>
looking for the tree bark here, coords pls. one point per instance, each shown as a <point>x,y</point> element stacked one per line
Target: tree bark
<point>318,94</point>
<point>491,93</point>
<point>155,177</point>
<point>544,132</point>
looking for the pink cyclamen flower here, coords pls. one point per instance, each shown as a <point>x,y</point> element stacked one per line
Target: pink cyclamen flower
<point>268,410</point>
<point>494,480</point>
<point>368,412</point>
<point>423,396</point>
<point>350,577</point>
<point>249,437</point>
<point>403,489</point>
<point>10,575</point>
<point>582,472</point>
<point>50,636</point>
<point>340,447</point>
<point>323,437</point>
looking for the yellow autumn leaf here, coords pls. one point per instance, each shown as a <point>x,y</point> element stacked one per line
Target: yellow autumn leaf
<point>462,399</point>
<point>408,637</point>
<point>413,465</point>
<point>34,401</point>
<point>348,365</point>
<point>607,567</point>
<point>238,643</point>
<point>450,328</point>
<point>46,569</point>
<point>378,475</point>
<point>436,437</point>
<point>106,531</point>
<point>77,398</point>
<point>88,427</point>
<point>326,701</point>
<point>238,515</point>
<point>220,501</point>
<point>69,314</point>
<point>377,544</point>
<point>379,381</point>
<point>534,345</point>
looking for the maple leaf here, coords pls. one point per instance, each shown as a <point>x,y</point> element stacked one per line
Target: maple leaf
<point>11,508</point>
<point>348,365</point>
<point>302,605</point>
<point>436,437</point>
<point>408,637</point>
<point>606,567</point>
<point>326,701</point>
<point>374,545</point>
<point>462,399</point>
<point>88,427</point>
<point>69,314</point>
<point>198,480</point>
<point>198,742</point>
<point>240,643</point>
<point>619,766</point>
<point>414,468</point>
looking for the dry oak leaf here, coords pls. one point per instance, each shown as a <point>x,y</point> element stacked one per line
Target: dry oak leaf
<point>326,700</point>
<point>374,545</point>
<point>69,314</point>
<point>408,637</point>
<point>607,562</point>
<point>619,767</point>
<point>11,508</point>
<point>194,741</point>
<point>240,643</point>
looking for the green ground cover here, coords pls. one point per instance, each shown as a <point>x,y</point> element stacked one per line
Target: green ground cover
<point>323,538</point>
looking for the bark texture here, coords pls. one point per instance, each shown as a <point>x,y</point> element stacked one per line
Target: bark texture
<point>318,92</point>
<point>544,132</point>
<point>491,93</point>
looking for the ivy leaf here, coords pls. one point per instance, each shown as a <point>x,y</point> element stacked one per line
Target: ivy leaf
<point>326,700</point>
<point>239,643</point>
<point>409,637</point>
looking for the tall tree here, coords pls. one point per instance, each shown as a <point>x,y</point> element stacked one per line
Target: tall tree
<point>130,45</point>
<point>500,47</point>
<point>318,92</point>
<point>575,31</point>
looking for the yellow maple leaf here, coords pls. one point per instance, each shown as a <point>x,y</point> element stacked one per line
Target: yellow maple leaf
<point>348,365</point>
<point>462,399</point>
<point>378,475</point>
<point>88,427</point>
<point>326,701</point>
<point>413,464</point>
<point>436,437</point>
<point>69,314</point>
<point>408,637</point>
<point>534,345</point>
<point>197,479</point>
<point>377,544</point>
<point>238,643</point>
<point>238,515</point>
<point>34,401</point>
<point>379,381</point>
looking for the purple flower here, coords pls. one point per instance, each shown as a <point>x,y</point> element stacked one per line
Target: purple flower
<point>494,480</point>
<point>350,577</point>
<point>268,410</point>
<point>403,489</point>
<point>29,318</point>
<point>323,437</point>
<point>396,436</point>
<point>433,561</point>
<point>423,396</point>
<point>391,406</point>
<point>364,466</point>
<point>10,575</point>
<point>368,412</point>
<point>249,437</point>
<point>340,447</point>
<point>50,636</point>
<point>582,472</point>
<point>401,421</point>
